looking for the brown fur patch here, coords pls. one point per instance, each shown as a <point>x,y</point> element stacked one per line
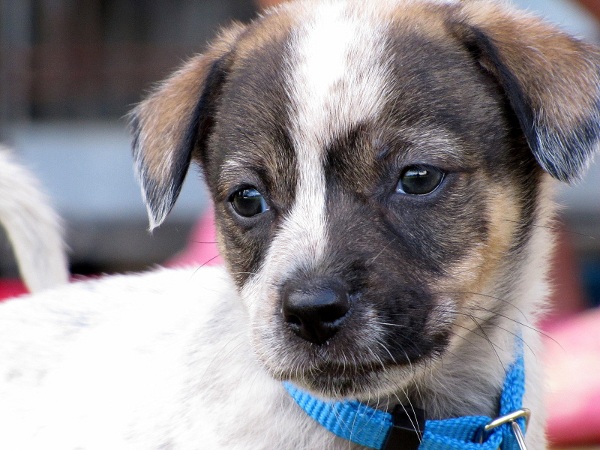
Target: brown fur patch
<point>164,116</point>
<point>477,271</point>
<point>271,28</point>
<point>558,73</point>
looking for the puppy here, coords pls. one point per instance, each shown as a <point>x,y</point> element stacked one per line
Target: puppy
<point>32,227</point>
<point>382,176</point>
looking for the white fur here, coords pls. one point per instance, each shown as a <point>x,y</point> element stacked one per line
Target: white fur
<point>336,81</point>
<point>150,361</point>
<point>336,76</point>
<point>33,228</point>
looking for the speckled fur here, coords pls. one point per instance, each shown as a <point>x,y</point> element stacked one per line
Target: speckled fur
<point>322,125</point>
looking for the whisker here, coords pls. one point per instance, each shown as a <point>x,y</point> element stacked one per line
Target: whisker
<point>385,247</point>
<point>500,299</point>
<point>208,261</point>
<point>486,337</point>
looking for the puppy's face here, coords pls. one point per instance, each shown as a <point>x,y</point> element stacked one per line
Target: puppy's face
<point>376,173</point>
<point>357,174</point>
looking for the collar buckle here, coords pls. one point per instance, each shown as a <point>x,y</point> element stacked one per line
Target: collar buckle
<point>408,424</point>
<point>510,418</point>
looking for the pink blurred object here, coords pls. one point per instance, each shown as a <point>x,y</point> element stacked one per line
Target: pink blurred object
<point>201,249</point>
<point>572,365</point>
<point>11,288</point>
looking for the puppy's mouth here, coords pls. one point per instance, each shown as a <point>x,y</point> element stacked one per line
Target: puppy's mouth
<point>341,382</point>
<point>342,376</point>
<point>356,381</point>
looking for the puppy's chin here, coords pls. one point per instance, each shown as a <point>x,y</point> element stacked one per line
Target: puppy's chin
<point>333,375</point>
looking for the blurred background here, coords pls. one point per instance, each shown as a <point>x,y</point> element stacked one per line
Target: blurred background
<point>69,73</point>
<point>71,70</point>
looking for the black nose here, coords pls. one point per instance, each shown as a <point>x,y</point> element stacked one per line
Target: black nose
<point>315,310</point>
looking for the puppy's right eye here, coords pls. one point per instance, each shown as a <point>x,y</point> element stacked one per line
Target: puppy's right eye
<point>419,180</point>
<point>248,202</point>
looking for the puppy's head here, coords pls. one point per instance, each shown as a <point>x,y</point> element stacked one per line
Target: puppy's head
<point>378,173</point>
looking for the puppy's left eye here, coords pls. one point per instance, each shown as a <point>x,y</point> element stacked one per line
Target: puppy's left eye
<point>419,180</point>
<point>248,202</point>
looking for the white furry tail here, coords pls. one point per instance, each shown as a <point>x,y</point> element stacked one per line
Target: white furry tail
<point>32,227</point>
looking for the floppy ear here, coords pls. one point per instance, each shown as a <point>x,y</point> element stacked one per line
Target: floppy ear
<point>174,121</point>
<point>550,79</point>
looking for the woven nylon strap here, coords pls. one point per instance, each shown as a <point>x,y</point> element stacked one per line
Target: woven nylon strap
<point>369,427</point>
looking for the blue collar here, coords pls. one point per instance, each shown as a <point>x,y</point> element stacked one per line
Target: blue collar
<point>407,428</point>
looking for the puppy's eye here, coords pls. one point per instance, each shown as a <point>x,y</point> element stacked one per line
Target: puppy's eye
<point>419,180</point>
<point>248,202</point>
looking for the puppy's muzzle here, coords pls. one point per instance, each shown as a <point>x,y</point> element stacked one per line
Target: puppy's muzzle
<point>315,310</point>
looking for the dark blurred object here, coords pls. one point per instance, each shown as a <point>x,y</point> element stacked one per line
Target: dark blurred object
<point>592,6</point>
<point>568,297</point>
<point>94,59</point>
<point>591,275</point>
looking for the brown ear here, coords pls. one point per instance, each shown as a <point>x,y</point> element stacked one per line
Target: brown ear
<point>173,121</point>
<point>550,79</point>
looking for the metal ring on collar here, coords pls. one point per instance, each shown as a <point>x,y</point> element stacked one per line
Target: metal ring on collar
<point>511,419</point>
